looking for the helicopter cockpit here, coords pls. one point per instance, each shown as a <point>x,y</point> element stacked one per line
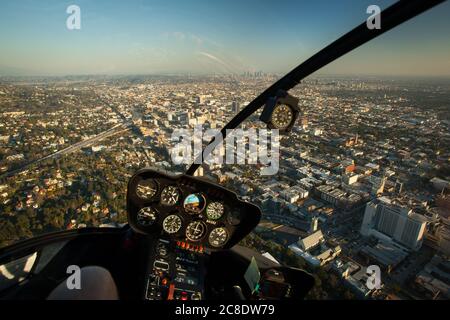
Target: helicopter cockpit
<point>182,239</point>
<point>180,244</point>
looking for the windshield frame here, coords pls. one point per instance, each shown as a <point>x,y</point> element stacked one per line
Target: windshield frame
<point>393,16</point>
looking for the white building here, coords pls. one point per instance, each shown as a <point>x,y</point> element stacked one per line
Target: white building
<point>311,241</point>
<point>388,221</point>
<point>314,250</point>
<point>350,179</point>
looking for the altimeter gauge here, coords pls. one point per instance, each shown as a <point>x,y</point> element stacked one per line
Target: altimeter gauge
<point>172,224</point>
<point>170,196</point>
<point>195,230</point>
<point>215,210</point>
<point>147,216</point>
<point>218,237</point>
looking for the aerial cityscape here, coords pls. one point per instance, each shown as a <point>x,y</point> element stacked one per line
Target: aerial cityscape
<point>364,176</point>
<point>259,156</point>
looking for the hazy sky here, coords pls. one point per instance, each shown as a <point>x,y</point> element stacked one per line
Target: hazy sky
<point>204,36</point>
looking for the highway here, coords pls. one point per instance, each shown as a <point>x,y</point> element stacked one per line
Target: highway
<point>76,146</point>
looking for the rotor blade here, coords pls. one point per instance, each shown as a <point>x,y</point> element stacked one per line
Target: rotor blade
<point>391,17</point>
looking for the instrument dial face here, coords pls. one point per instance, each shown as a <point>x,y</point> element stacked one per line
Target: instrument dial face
<point>170,196</point>
<point>218,237</point>
<point>146,189</point>
<point>282,116</point>
<point>194,203</point>
<point>172,224</point>
<point>195,230</point>
<point>215,210</point>
<point>147,216</point>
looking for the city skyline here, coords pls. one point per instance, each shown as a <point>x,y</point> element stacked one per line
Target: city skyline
<point>202,38</point>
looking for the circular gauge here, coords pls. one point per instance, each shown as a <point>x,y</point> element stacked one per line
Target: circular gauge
<point>234,217</point>
<point>194,203</point>
<point>172,224</point>
<point>195,230</point>
<point>282,116</point>
<point>215,210</point>
<point>170,196</point>
<point>218,237</point>
<point>146,189</point>
<point>147,216</point>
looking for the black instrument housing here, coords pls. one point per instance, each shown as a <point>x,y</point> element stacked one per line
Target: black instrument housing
<point>248,213</point>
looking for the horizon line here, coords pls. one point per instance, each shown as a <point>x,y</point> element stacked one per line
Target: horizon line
<point>196,74</point>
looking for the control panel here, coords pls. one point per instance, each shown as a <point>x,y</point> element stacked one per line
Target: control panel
<point>193,211</point>
<point>175,272</point>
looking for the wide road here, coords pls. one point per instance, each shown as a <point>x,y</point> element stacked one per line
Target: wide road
<point>76,146</point>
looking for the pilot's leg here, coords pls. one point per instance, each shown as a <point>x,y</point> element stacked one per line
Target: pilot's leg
<point>96,284</point>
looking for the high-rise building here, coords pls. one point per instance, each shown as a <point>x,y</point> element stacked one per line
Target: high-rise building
<point>388,221</point>
<point>183,118</point>
<point>235,107</point>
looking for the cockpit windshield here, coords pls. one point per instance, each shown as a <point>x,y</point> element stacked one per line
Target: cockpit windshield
<point>94,91</point>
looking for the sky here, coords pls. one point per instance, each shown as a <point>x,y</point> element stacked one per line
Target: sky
<point>212,36</point>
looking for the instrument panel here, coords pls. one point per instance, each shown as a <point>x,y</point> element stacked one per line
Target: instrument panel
<point>195,212</point>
